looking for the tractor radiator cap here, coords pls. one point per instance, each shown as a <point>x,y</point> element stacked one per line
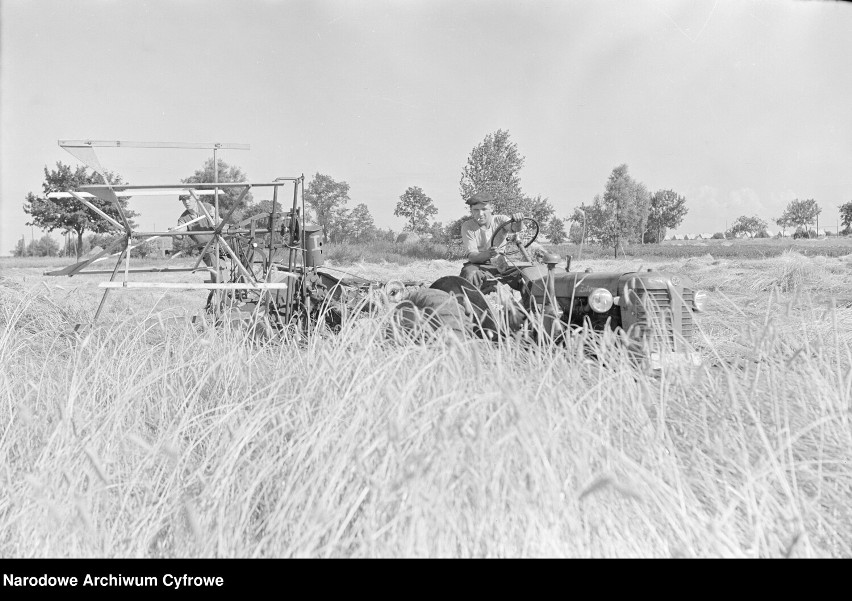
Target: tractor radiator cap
<point>550,258</point>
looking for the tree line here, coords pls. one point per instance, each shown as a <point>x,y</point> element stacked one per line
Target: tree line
<point>626,212</point>
<point>799,215</point>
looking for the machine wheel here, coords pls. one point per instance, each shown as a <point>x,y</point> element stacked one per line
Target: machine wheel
<point>428,309</point>
<point>471,298</point>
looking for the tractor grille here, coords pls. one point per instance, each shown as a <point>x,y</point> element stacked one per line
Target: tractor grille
<point>655,318</point>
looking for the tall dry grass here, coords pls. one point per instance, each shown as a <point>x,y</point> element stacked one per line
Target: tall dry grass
<point>142,438</point>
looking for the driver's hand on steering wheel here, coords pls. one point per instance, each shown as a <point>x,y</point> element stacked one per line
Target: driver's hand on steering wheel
<point>516,219</point>
<point>493,252</point>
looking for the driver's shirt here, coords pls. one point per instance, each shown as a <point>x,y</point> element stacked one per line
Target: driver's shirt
<point>477,239</point>
<point>203,224</point>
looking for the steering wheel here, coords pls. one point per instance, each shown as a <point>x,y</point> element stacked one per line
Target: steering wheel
<point>526,236</point>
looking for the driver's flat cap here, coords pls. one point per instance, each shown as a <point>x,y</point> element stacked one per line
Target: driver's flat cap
<point>480,197</point>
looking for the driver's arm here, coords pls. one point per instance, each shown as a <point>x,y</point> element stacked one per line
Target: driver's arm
<point>482,256</point>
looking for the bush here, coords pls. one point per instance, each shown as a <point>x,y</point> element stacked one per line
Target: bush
<point>718,236</point>
<point>804,234</point>
<point>147,248</point>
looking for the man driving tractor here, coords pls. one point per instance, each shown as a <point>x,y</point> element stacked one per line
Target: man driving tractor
<point>477,233</point>
<point>200,240</point>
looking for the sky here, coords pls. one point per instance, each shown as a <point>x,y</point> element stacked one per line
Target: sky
<point>740,106</point>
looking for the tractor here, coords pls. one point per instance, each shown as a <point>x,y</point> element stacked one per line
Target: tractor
<point>529,294</point>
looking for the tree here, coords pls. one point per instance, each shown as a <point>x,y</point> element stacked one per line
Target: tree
<point>617,216</point>
<point>46,246</point>
<point>361,226</point>
<point>539,209</point>
<point>623,212</point>
<point>576,235</point>
<point>640,198</point>
<point>750,226</point>
<point>800,213</point>
<point>327,198</point>
<point>846,216</point>
<point>20,249</point>
<point>577,231</point>
<point>493,166</point>
<point>438,233</point>
<point>555,231</point>
<point>666,211</point>
<point>69,213</point>
<point>417,208</point>
<point>387,235</point>
<point>453,228</point>
<point>261,207</point>
<point>783,222</point>
<point>339,225</point>
<point>229,196</point>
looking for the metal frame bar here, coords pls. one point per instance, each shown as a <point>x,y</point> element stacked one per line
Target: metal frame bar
<point>199,286</point>
<point>96,210</point>
<point>84,151</point>
<point>129,144</point>
<point>205,185</point>
<point>125,251</point>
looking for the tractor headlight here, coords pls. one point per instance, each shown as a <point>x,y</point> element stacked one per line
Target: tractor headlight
<point>600,300</point>
<point>700,300</point>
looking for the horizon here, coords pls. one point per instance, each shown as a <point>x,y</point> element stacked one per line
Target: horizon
<point>739,107</point>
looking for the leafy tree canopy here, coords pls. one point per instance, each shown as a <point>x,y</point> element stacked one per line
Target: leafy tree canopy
<point>800,213</point>
<point>846,215</point>
<point>361,228</point>
<point>494,166</point>
<point>45,246</point>
<point>227,173</point>
<point>69,213</point>
<point>327,198</point>
<point>619,215</point>
<point>666,211</point>
<point>750,226</point>
<point>555,231</point>
<point>417,208</point>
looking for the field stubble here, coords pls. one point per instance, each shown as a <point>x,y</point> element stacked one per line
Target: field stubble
<point>148,437</point>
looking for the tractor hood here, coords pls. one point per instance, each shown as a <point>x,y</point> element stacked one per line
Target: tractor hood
<point>581,283</point>
<point>570,283</point>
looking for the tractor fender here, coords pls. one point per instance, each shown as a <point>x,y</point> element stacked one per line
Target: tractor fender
<point>469,297</point>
